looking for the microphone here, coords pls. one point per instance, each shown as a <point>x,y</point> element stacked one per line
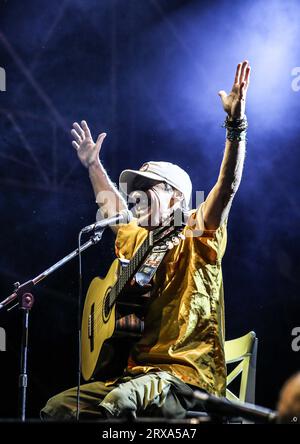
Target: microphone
<point>232,408</point>
<point>124,217</point>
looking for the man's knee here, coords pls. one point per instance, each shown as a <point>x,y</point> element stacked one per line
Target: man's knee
<point>119,402</point>
<point>59,408</point>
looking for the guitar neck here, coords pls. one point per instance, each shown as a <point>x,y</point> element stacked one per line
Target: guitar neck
<point>127,273</point>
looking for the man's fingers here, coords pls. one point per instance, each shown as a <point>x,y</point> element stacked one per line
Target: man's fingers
<point>247,76</point>
<point>76,136</point>
<point>78,129</point>
<point>243,71</point>
<point>242,91</point>
<point>75,145</point>
<point>85,128</point>
<point>238,73</point>
<point>100,139</point>
<point>222,94</point>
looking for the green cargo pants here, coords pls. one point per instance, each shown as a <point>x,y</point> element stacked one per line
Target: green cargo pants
<point>157,394</point>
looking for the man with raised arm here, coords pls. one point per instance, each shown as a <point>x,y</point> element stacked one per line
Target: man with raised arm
<point>182,346</point>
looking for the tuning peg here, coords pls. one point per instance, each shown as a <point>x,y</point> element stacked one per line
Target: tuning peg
<point>181,236</point>
<point>16,285</point>
<point>175,240</point>
<point>169,244</point>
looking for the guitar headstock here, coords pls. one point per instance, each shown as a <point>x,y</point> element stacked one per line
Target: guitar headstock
<point>171,228</point>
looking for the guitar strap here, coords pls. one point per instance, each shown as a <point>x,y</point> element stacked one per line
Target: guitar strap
<point>154,259</point>
<point>150,265</point>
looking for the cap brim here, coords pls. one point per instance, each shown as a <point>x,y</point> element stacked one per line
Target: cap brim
<point>128,176</point>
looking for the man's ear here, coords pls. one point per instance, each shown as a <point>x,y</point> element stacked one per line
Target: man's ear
<point>178,195</point>
<point>176,198</point>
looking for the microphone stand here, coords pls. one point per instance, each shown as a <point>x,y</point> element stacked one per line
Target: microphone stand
<point>224,407</point>
<point>25,302</point>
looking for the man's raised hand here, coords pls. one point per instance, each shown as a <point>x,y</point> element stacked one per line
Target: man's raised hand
<point>87,150</point>
<point>235,102</point>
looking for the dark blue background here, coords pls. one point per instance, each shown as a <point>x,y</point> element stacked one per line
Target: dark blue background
<point>147,72</point>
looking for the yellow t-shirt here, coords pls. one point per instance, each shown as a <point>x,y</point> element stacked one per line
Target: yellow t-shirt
<point>184,325</point>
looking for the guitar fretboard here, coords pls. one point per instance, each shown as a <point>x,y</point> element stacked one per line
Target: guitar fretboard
<point>129,271</point>
<point>154,237</point>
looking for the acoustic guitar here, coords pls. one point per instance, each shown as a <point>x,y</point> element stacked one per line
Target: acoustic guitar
<point>103,295</point>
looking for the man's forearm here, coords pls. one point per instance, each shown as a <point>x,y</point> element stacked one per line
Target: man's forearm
<point>107,195</point>
<point>219,200</point>
<point>232,167</point>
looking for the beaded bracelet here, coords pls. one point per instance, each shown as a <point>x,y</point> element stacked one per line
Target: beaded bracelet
<point>236,129</point>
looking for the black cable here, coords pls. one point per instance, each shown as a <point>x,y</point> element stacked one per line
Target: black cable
<point>79,325</point>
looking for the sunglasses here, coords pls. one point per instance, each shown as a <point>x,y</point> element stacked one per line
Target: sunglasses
<point>142,184</point>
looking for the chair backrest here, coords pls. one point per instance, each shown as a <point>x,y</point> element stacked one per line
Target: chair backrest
<point>243,351</point>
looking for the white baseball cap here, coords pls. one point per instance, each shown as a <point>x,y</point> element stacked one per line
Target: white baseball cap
<point>163,171</point>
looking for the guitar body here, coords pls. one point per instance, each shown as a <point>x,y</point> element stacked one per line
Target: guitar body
<point>98,323</point>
